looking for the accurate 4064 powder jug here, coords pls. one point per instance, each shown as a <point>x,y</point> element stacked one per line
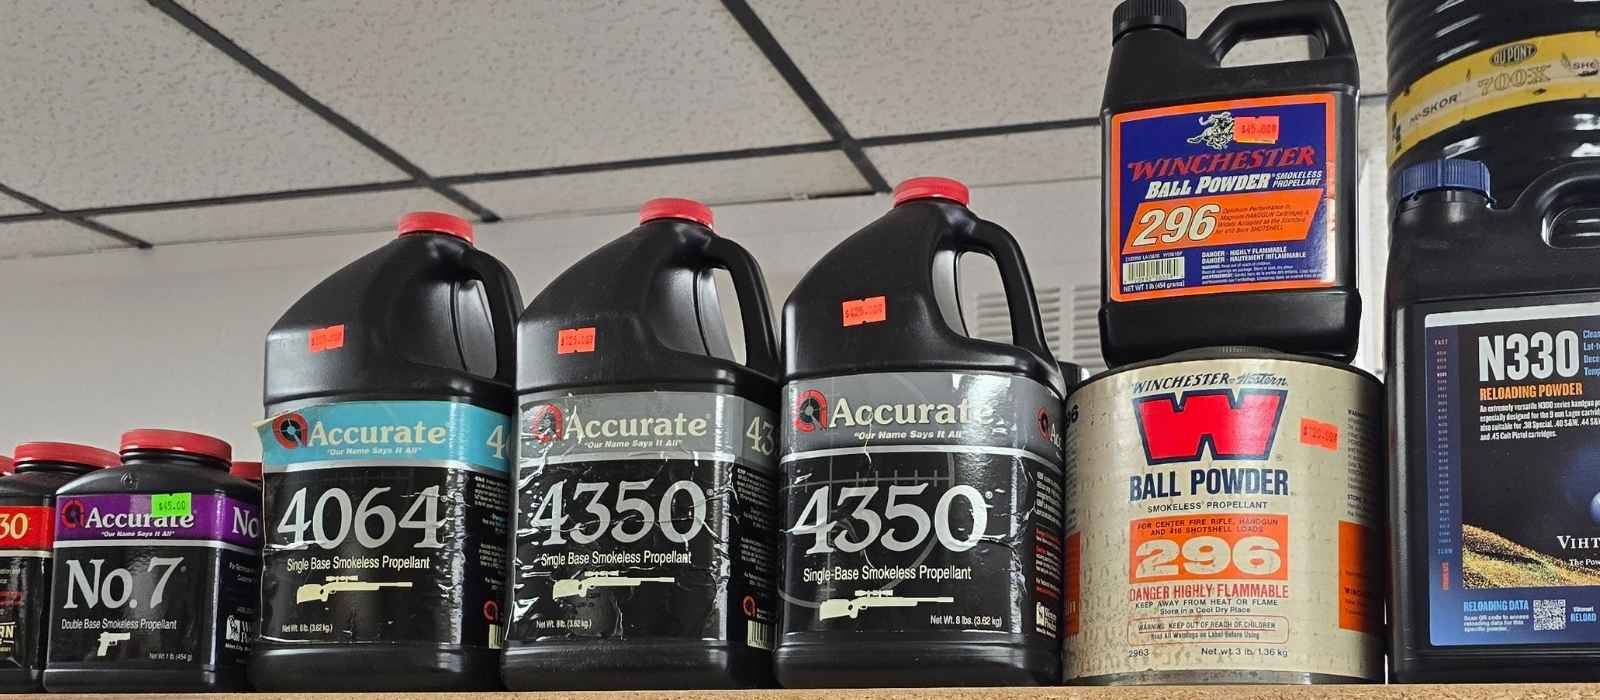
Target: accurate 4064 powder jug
<point>1223,517</point>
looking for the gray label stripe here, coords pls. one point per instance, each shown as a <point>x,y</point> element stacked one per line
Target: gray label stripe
<point>155,542</point>
<point>1516,313</point>
<point>371,463</point>
<point>947,449</point>
<point>694,456</point>
<point>34,553</point>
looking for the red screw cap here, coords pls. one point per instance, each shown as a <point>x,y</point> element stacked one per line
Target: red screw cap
<point>7,467</point>
<point>67,452</point>
<point>931,187</point>
<point>176,441</point>
<point>249,471</point>
<point>436,222</point>
<point>675,208</point>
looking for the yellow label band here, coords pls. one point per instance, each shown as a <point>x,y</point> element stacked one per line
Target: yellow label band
<point>1516,74</point>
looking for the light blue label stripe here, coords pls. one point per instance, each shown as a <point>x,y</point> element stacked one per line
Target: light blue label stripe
<point>387,432</point>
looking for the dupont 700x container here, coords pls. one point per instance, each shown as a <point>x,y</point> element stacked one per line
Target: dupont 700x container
<point>921,466</point>
<point>645,528</point>
<point>385,452</point>
<point>1230,192</point>
<point>1494,402</point>
<point>1512,83</point>
<point>156,571</point>
<point>27,533</point>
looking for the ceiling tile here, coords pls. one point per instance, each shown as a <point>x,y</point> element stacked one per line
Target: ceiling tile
<point>718,182</point>
<point>909,66</point>
<point>115,103</point>
<point>1037,156</point>
<point>52,237</point>
<point>12,206</point>
<point>506,85</point>
<point>346,213</point>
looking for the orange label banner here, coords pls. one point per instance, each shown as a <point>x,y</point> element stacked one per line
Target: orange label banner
<point>1360,583</point>
<point>1219,546</point>
<point>1253,217</point>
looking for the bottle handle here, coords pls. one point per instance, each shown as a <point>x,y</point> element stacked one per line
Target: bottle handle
<point>760,346</point>
<point>1574,187</point>
<point>1027,331</point>
<point>505,304</point>
<point>1266,20</point>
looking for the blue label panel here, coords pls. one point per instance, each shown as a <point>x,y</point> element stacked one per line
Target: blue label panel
<point>407,431</point>
<point>1222,196</point>
<point>1512,420</point>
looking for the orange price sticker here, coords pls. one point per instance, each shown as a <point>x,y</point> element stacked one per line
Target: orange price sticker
<point>1319,434</point>
<point>571,340</point>
<point>329,338</point>
<point>1222,545</point>
<point>868,310</point>
<point>1263,129</point>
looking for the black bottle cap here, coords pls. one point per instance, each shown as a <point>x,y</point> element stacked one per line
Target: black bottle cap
<point>1139,14</point>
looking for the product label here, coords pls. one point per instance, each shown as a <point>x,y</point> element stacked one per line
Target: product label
<point>922,502</point>
<point>131,585</point>
<point>646,514</point>
<point>26,536</point>
<point>1511,414</point>
<point>1225,515</point>
<point>386,524</point>
<point>1224,196</point>
<point>1517,74</point>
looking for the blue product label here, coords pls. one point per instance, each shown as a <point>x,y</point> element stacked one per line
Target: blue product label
<point>386,524</point>
<point>1223,196</point>
<point>1512,421</point>
<point>388,430</point>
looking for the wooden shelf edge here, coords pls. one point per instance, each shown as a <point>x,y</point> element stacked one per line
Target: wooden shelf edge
<point>1253,692</point>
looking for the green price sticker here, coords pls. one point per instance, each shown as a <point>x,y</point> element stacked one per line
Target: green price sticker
<point>169,505</point>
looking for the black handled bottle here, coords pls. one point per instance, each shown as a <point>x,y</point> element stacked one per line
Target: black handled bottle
<point>28,511</point>
<point>1230,193</point>
<point>644,529</point>
<point>1493,374</point>
<point>155,572</point>
<point>922,468</point>
<point>385,454</point>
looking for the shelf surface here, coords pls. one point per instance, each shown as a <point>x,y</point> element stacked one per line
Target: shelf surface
<point>1257,692</point>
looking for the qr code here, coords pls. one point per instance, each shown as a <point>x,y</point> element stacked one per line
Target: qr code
<point>1550,615</point>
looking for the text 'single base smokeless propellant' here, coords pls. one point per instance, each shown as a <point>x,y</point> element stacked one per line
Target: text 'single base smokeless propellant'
<point>645,525</point>
<point>921,467</point>
<point>386,454</point>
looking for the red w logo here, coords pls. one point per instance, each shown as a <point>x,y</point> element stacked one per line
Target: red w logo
<point>1176,430</point>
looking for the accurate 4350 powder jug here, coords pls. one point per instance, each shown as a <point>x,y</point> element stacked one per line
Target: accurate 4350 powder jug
<point>1223,516</point>
<point>921,466</point>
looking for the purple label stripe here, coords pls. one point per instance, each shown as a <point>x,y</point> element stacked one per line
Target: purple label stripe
<point>127,516</point>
